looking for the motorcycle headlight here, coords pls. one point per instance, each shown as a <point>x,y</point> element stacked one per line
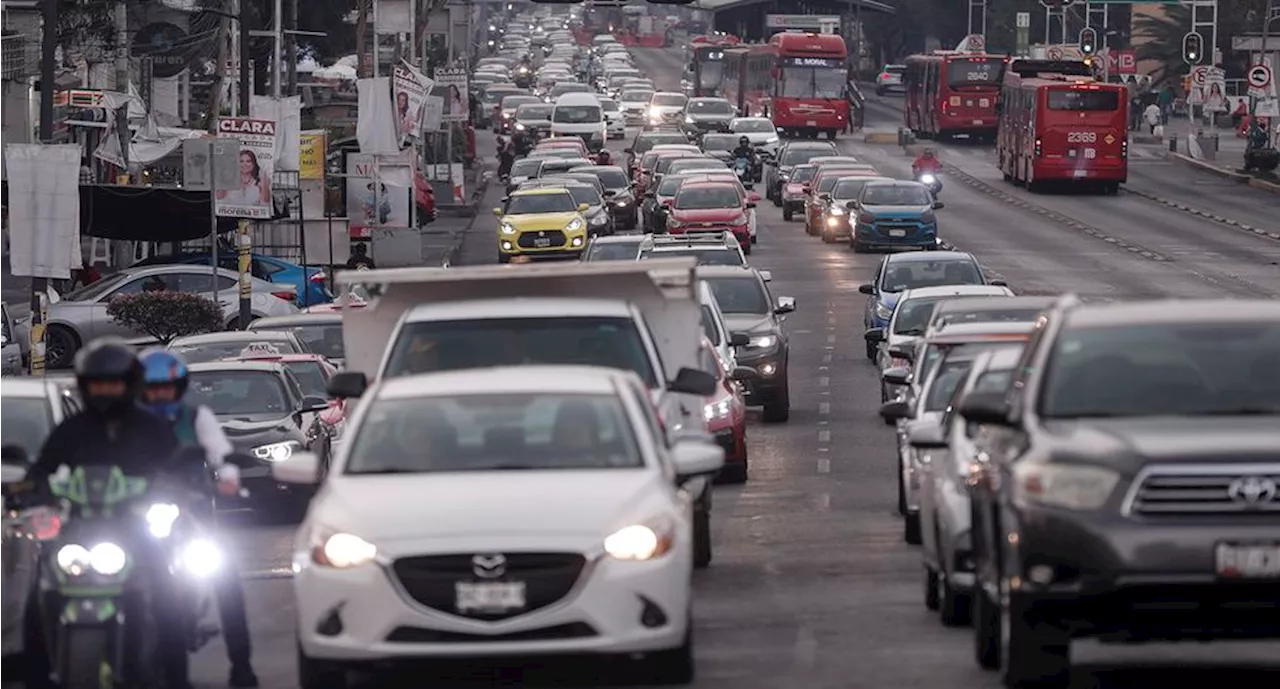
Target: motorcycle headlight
<point>574,225</point>
<point>507,228</point>
<point>104,558</point>
<point>1071,486</point>
<point>160,519</point>
<point>639,541</point>
<point>835,210</point>
<point>717,410</point>
<point>73,559</point>
<point>277,452</point>
<point>927,178</point>
<point>883,312</point>
<point>202,558</point>
<point>343,551</point>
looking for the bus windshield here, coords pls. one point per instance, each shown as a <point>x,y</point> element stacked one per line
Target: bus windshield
<point>709,74</point>
<point>812,82</point>
<point>1082,100</point>
<point>974,71</point>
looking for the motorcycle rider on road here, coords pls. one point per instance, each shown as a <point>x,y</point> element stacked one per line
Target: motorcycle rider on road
<point>926,162</point>
<point>165,382</point>
<point>746,152</point>
<point>112,430</point>
<point>603,157</point>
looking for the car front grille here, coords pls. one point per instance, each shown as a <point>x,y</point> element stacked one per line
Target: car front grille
<point>1206,490</point>
<point>529,240</point>
<point>430,579</point>
<point>421,635</point>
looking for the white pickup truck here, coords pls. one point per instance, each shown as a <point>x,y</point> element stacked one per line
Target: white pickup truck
<point>643,317</point>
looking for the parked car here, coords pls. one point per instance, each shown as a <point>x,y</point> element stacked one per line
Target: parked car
<point>310,283</point>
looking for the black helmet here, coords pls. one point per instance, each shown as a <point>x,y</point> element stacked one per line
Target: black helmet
<point>109,359</point>
<point>745,141</point>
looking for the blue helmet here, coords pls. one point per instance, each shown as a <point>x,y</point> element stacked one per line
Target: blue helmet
<point>163,367</point>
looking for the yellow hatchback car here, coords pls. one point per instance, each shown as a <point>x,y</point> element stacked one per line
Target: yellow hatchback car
<point>541,223</point>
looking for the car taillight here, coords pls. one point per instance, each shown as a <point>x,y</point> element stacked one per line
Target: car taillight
<point>287,296</point>
<point>898,362</point>
<point>884,75</point>
<point>318,277</point>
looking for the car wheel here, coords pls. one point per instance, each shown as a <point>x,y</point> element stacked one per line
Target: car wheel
<point>857,246</point>
<point>953,606</point>
<point>673,666</point>
<point>777,199</point>
<point>319,674</point>
<point>701,537</point>
<point>778,409</point>
<point>733,473</point>
<point>911,527</point>
<point>930,588</point>
<point>746,250</point>
<point>787,213</point>
<point>1034,653</point>
<point>755,239</point>
<point>871,351</point>
<point>60,345</point>
<point>986,630</point>
<point>827,237</point>
<point>902,491</point>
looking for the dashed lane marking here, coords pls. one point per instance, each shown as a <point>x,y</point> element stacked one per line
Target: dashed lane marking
<point>1178,205</point>
<point>824,381</point>
<point>824,465</point>
<point>824,436</point>
<point>824,408</point>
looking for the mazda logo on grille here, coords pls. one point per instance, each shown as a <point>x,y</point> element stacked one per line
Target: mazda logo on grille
<point>489,566</point>
<point>1252,490</point>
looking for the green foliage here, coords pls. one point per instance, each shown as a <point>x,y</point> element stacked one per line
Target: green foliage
<point>166,315</point>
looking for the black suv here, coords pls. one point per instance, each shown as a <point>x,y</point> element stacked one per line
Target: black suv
<point>749,308</point>
<point>1128,483</point>
<point>778,169</point>
<point>707,115</point>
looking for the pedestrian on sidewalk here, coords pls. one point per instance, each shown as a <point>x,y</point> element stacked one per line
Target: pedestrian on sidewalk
<point>1135,111</point>
<point>1154,117</point>
<point>1165,101</point>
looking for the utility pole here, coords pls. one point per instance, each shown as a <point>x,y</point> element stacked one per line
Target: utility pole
<point>291,47</point>
<point>362,28</point>
<point>48,79</point>
<point>277,71</point>
<point>219,71</point>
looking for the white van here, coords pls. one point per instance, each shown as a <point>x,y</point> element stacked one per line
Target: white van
<point>579,114</point>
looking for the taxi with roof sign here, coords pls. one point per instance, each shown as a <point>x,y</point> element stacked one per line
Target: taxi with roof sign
<point>229,345</point>
<point>313,372</point>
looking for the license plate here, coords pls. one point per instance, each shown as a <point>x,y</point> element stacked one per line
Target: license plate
<point>897,233</point>
<point>542,242</point>
<point>978,122</point>
<point>811,123</point>
<point>492,596</point>
<point>1079,173</point>
<point>1248,561</point>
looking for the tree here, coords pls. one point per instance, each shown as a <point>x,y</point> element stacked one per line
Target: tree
<point>166,315</point>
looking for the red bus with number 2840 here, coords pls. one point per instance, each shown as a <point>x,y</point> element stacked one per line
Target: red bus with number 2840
<point>1057,124</point>
<point>951,93</point>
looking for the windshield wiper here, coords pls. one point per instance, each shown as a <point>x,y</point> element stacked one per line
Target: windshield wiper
<point>1239,411</point>
<point>912,331</point>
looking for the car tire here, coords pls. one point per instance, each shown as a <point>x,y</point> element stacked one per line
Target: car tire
<point>746,250</point>
<point>881,92</point>
<point>857,246</point>
<point>673,666</point>
<point>986,630</point>
<point>930,588</point>
<point>702,551</point>
<point>827,237</point>
<point>911,528</point>
<point>735,473</point>
<point>319,674</point>
<point>1035,654</point>
<point>787,213</point>
<point>778,409</point>
<point>777,199</point>
<point>871,351</point>
<point>902,492</point>
<point>954,607</point>
<point>60,347</point>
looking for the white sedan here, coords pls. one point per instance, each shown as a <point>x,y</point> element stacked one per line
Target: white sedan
<point>499,512</point>
<point>759,130</point>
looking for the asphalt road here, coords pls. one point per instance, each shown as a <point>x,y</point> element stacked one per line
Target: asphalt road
<point>812,585</point>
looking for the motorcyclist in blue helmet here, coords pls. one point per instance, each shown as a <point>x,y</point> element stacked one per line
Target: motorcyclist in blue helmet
<point>165,381</point>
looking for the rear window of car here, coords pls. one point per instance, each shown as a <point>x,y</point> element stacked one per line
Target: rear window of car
<point>797,156</point>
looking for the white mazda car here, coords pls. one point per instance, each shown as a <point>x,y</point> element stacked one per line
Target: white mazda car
<point>534,510</point>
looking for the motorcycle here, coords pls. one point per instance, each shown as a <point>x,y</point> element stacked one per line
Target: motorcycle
<point>742,167</point>
<point>931,180</point>
<point>98,572</point>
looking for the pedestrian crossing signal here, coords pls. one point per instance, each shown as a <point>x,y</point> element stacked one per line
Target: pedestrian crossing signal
<point>1088,41</point>
<point>1192,48</point>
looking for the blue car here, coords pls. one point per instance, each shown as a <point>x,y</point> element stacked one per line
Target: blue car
<point>309,282</point>
<point>895,214</point>
<point>900,272</point>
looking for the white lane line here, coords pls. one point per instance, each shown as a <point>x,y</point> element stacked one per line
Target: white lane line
<point>824,436</point>
<point>831,339</point>
<point>824,368</point>
<point>823,449</point>
<point>826,358</point>
<point>803,332</point>
<point>824,501</point>
<point>824,381</point>
<point>824,392</point>
<point>824,408</point>
<point>805,653</point>
<point>824,465</point>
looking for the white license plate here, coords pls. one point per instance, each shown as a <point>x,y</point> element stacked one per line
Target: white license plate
<point>542,242</point>
<point>1079,173</point>
<point>897,233</point>
<point>978,122</point>
<point>811,123</point>
<point>1248,561</point>
<point>489,596</point>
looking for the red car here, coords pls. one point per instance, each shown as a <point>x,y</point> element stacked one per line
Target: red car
<point>712,206</point>
<point>313,373</point>
<point>725,412</point>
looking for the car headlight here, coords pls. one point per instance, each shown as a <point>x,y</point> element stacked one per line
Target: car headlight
<point>621,202</point>
<point>574,225</point>
<point>104,558</point>
<point>883,312</point>
<point>717,410</point>
<point>1072,486</point>
<point>763,342</point>
<point>784,175</point>
<point>639,541</point>
<point>597,220</point>
<point>519,127</point>
<point>277,452</point>
<point>688,120</point>
<point>343,551</point>
<point>160,518</point>
<point>772,140</point>
<point>928,218</point>
<point>507,228</point>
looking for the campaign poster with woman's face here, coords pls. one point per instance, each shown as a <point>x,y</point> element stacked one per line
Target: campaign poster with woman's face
<point>252,196</point>
<point>411,88</point>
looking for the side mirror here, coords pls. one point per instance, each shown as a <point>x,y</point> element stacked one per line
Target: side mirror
<point>866,289</point>
<point>785,305</point>
<point>301,468</point>
<point>985,407</point>
<point>14,454</point>
<point>903,351</point>
<point>998,283</point>
<point>896,376</point>
<point>348,385</point>
<point>852,205</point>
<point>583,207</point>
<point>695,457</point>
<point>895,410</point>
<point>825,197</point>
<point>752,196</point>
<point>751,204</point>
<point>938,205</point>
<point>766,275</point>
<point>874,335</point>
<point>926,435</point>
<point>743,374</point>
<point>312,403</point>
<point>806,188</point>
<point>691,381</point>
<point>739,340</point>
<point>497,212</point>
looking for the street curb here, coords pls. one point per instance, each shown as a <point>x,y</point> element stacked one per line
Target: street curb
<point>1264,185</point>
<point>1208,167</point>
<point>880,138</point>
<point>481,187</point>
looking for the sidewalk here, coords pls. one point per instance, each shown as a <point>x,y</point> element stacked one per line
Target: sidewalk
<point>443,239</point>
<point>1226,163</point>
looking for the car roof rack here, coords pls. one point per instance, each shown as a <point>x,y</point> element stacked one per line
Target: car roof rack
<point>697,239</point>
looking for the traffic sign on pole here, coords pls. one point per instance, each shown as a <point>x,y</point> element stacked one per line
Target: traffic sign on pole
<point>1024,20</point>
<point>1259,76</point>
<point>1057,4</point>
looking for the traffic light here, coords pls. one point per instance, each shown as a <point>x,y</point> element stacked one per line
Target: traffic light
<point>1088,40</point>
<point>1192,48</point>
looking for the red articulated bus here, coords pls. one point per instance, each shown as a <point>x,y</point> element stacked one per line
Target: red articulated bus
<point>1058,124</point>
<point>749,79</point>
<point>706,66</point>
<point>810,75</point>
<point>950,93</point>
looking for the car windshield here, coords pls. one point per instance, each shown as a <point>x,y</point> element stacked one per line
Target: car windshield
<point>613,251</point>
<point>238,393</point>
<point>804,173</point>
<point>530,204</point>
<point>811,82</point>
<point>665,99</point>
<point>916,274</point>
<point>561,89</point>
<point>514,102</point>
<point>582,193</point>
<point>611,177</point>
<point>324,339</point>
<point>709,107</point>
<point>647,141</point>
<point>527,167</point>
<point>828,181</point>
<point>535,112</point>
<point>719,142</point>
<point>454,345</point>
<point>496,95</point>
<point>636,96</point>
<point>695,164</point>
<point>670,184</point>
<point>544,431</point>
<point>576,114</point>
<point>798,155</point>
<point>699,198</point>
<point>752,126</point>
<point>310,376</point>
<point>990,316</point>
<point>705,257</point>
<point>913,315</point>
<point>201,352</point>
<point>97,289</point>
<point>950,375</point>
<point>609,105</point>
<point>1167,369</point>
<point>895,195</point>
<point>26,422</point>
<point>848,188</point>
<point>740,295</point>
